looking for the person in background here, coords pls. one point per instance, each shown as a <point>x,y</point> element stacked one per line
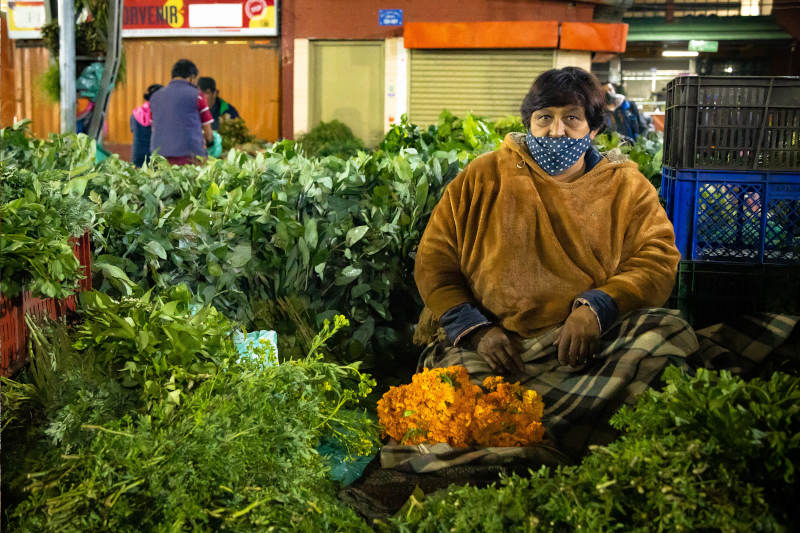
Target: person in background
<point>181,118</point>
<point>141,127</point>
<point>622,115</point>
<point>216,105</point>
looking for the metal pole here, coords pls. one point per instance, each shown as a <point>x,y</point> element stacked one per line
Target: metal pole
<point>110,69</point>
<point>66,64</point>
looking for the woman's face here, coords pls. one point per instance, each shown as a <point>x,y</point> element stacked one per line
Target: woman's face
<point>569,121</point>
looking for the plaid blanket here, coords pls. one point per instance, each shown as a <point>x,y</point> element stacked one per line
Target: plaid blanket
<point>578,402</point>
<point>631,357</point>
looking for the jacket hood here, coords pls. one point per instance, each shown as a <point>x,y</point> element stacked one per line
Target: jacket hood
<point>142,114</point>
<point>514,147</point>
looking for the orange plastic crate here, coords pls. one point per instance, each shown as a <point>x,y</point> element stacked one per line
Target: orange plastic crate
<point>12,312</point>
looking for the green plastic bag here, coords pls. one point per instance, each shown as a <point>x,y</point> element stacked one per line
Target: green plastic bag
<point>101,154</point>
<point>88,83</point>
<point>215,150</point>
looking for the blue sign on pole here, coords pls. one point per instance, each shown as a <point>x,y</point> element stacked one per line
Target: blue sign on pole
<point>390,17</point>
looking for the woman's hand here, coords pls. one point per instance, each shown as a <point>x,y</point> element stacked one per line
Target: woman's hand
<point>498,349</point>
<point>579,337</point>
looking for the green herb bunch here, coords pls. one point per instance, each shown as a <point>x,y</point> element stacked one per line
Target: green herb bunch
<point>155,343</point>
<point>710,453</point>
<point>332,138</point>
<point>42,207</point>
<point>234,132</point>
<point>339,235</point>
<point>647,152</point>
<point>238,453</point>
<point>468,137</point>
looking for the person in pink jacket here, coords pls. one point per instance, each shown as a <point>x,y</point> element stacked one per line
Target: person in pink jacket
<point>142,128</point>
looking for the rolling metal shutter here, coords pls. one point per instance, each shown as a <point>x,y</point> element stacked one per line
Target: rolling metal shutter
<point>488,83</point>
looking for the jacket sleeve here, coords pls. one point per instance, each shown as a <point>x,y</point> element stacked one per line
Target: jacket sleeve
<point>646,274</point>
<point>437,268</point>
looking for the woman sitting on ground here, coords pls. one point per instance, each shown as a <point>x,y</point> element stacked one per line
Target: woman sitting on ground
<point>547,262</point>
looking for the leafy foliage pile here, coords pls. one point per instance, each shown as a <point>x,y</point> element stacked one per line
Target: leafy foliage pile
<point>647,152</point>
<point>332,138</point>
<point>281,239</point>
<point>711,453</point>
<point>42,183</point>
<point>231,446</point>
<point>234,132</point>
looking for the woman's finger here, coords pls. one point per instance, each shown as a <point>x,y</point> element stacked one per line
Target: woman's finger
<point>513,355</point>
<point>505,360</point>
<point>583,353</point>
<point>563,350</point>
<point>574,351</point>
<point>595,348</point>
<point>489,361</point>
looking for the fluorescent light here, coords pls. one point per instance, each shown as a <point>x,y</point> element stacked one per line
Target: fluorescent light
<point>679,53</point>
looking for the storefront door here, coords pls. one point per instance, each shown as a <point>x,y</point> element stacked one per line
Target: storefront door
<point>346,80</point>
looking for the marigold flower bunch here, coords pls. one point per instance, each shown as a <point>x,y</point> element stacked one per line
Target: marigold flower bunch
<point>508,415</point>
<point>442,405</point>
<point>437,406</point>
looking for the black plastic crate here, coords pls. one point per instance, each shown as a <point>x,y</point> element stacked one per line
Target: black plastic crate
<point>732,123</point>
<point>711,293</point>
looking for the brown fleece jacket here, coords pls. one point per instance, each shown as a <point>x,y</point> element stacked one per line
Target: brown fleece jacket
<point>512,240</point>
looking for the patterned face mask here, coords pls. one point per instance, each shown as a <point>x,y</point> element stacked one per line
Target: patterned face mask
<point>556,154</point>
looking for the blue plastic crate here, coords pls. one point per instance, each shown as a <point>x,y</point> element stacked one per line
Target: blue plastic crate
<point>727,216</point>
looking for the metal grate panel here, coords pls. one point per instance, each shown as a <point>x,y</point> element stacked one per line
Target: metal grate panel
<point>488,83</point>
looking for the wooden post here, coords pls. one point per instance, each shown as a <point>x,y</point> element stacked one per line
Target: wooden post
<point>287,69</point>
<point>7,77</point>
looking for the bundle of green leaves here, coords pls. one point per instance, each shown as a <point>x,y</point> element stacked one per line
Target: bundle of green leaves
<point>647,152</point>
<point>332,138</point>
<point>234,132</point>
<point>42,206</point>
<point>92,450</point>
<point>710,453</point>
<point>468,137</point>
<point>339,235</point>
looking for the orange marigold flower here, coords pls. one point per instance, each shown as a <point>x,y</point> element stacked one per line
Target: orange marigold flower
<point>443,405</point>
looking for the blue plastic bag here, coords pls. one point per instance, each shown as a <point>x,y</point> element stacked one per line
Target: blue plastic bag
<point>245,345</point>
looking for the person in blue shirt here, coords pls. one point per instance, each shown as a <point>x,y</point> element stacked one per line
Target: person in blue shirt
<point>217,105</point>
<point>622,115</point>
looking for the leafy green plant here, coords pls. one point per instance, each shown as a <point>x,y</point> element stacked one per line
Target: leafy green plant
<point>510,124</point>
<point>234,132</point>
<point>331,139</point>
<point>647,152</point>
<point>238,453</point>
<point>41,208</point>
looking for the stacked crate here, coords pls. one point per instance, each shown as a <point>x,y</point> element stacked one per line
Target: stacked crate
<point>14,348</point>
<point>731,182</point>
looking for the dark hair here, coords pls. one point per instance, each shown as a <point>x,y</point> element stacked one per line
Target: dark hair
<point>207,84</point>
<point>150,90</point>
<point>564,87</point>
<point>184,69</point>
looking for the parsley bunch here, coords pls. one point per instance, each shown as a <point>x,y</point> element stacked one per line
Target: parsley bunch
<point>93,452</point>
